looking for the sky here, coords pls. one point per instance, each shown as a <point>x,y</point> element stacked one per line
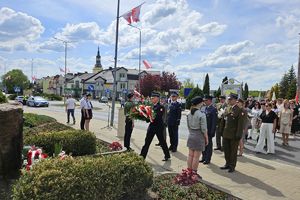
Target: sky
<point>253,41</point>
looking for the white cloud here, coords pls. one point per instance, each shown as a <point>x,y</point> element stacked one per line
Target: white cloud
<point>18,30</point>
<point>290,24</point>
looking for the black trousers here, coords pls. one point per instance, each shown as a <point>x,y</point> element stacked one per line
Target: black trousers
<point>158,131</point>
<point>208,150</point>
<point>230,151</point>
<point>82,121</point>
<point>128,131</point>
<point>173,133</point>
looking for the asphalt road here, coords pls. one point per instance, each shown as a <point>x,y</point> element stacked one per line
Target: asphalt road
<point>289,155</point>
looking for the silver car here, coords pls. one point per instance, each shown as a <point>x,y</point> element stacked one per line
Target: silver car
<point>37,102</point>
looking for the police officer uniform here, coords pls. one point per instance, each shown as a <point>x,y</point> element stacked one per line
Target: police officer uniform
<point>221,107</point>
<point>174,116</point>
<point>156,128</point>
<point>128,121</point>
<point>82,106</point>
<point>211,119</point>
<point>232,134</point>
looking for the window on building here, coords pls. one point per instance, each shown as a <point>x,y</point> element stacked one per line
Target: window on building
<point>122,75</point>
<point>122,85</point>
<point>72,86</point>
<point>77,84</point>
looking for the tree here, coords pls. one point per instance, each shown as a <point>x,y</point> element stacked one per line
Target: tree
<point>206,88</point>
<point>13,78</point>
<point>246,91</point>
<point>195,92</point>
<point>283,86</point>
<point>150,83</point>
<point>168,81</point>
<point>292,90</point>
<point>187,83</point>
<point>217,93</point>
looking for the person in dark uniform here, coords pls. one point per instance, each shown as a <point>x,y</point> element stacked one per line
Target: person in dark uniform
<point>164,103</point>
<point>82,106</point>
<point>232,133</point>
<point>156,128</point>
<point>128,121</point>
<point>211,118</point>
<point>221,107</point>
<point>174,116</point>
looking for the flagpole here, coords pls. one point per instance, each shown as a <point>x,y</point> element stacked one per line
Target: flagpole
<point>115,68</point>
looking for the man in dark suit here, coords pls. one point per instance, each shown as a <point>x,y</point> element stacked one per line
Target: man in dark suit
<point>232,133</point>
<point>156,128</point>
<point>211,119</point>
<point>174,116</point>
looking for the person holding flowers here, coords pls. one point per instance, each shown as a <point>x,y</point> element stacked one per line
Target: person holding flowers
<point>156,128</point>
<point>129,105</point>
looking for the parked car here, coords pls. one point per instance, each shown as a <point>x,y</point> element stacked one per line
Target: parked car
<point>37,102</point>
<point>19,99</point>
<point>103,99</point>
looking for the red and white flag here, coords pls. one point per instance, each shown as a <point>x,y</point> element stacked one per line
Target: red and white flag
<point>136,92</point>
<point>133,15</point>
<point>147,64</point>
<point>33,78</point>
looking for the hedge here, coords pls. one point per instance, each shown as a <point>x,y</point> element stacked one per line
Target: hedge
<point>52,97</point>
<point>12,96</point>
<point>119,176</point>
<point>76,142</point>
<point>33,120</point>
<point>2,98</point>
<point>47,127</point>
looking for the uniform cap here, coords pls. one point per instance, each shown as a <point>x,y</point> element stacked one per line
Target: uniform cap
<point>222,97</point>
<point>88,95</point>
<point>174,94</point>
<point>233,96</point>
<point>155,94</point>
<point>129,95</point>
<point>196,100</point>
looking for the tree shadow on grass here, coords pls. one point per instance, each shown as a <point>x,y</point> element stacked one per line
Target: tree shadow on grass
<point>241,178</point>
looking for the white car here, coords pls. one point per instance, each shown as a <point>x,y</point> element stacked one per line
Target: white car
<point>20,99</point>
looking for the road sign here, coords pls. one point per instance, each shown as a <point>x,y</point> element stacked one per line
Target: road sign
<point>17,89</point>
<point>91,88</point>
<point>107,90</point>
<point>125,91</point>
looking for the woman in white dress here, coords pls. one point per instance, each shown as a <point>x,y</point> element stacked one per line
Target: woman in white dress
<point>285,121</point>
<point>255,113</point>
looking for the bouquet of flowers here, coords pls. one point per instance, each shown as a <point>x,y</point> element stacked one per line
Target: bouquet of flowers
<point>142,112</point>
<point>34,155</point>
<point>115,146</point>
<point>187,177</point>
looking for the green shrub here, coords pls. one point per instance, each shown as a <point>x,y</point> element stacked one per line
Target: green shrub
<point>52,97</point>
<point>165,187</point>
<point>33,120</point>
<point>48,127</point>
<point>2,98</point>
<point>12,96</point>
<point>77,142</point>
<point>92,178</point>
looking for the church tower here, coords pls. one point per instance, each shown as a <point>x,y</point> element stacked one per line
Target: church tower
<point>98,66</point>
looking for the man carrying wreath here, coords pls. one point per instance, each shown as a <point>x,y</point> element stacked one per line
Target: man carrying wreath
<point>156,128</point>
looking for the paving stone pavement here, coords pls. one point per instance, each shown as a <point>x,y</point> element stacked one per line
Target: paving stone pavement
<point>255,178</point>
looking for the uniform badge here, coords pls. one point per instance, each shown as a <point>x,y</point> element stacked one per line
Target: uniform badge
<point>161,110</point>
<point>243,113</point>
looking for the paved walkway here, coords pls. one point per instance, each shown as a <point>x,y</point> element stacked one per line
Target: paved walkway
<point>255,178</point>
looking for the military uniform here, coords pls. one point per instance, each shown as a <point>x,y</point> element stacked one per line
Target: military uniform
<point>211,119</point>
<point>232,134</point>
<point>156,128</point>
<point>220,124</point>
<point>128,122</point>
<point>174,116</point>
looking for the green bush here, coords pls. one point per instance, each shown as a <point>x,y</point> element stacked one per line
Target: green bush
<point>12,96</point>
<point>77,142</point>
<point>33,120</point>
<point>109,178</point>
<point>47,127</point>
<point>52,97</point>
<point>2,98</point>
<point>165,187</point>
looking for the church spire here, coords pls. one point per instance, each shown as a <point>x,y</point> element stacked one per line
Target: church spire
<point>98,65</point>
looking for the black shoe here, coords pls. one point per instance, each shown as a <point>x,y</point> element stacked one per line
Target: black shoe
<point>170,148</point>
<point>166,159</point>
<point>158,144</point>
<point>74,122</point>
<point>231,170</point>
<point>68,122</point>
<point>206,162</point>
<point>224,167</point>
<point>217,148</point>
<point>174,150</point>
<point>129,149</point>
<point>201,161</point>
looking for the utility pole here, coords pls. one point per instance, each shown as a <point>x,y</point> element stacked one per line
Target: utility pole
<point>115,69</point>
<point>140,55</point>
<point>32,70</point>
<point>298,78</point>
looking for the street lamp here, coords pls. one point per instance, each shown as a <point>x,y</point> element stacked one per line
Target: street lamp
<point>66,47</point>
<point>140,54</point>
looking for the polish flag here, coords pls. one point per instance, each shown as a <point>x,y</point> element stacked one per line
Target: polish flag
<point>33,78</point>
<point>136,92</point>
<point>133,15</point>
<point>147,64</point>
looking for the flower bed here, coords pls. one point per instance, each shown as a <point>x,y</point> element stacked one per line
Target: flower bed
<point>119,176</point>
<point>166,188</point>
